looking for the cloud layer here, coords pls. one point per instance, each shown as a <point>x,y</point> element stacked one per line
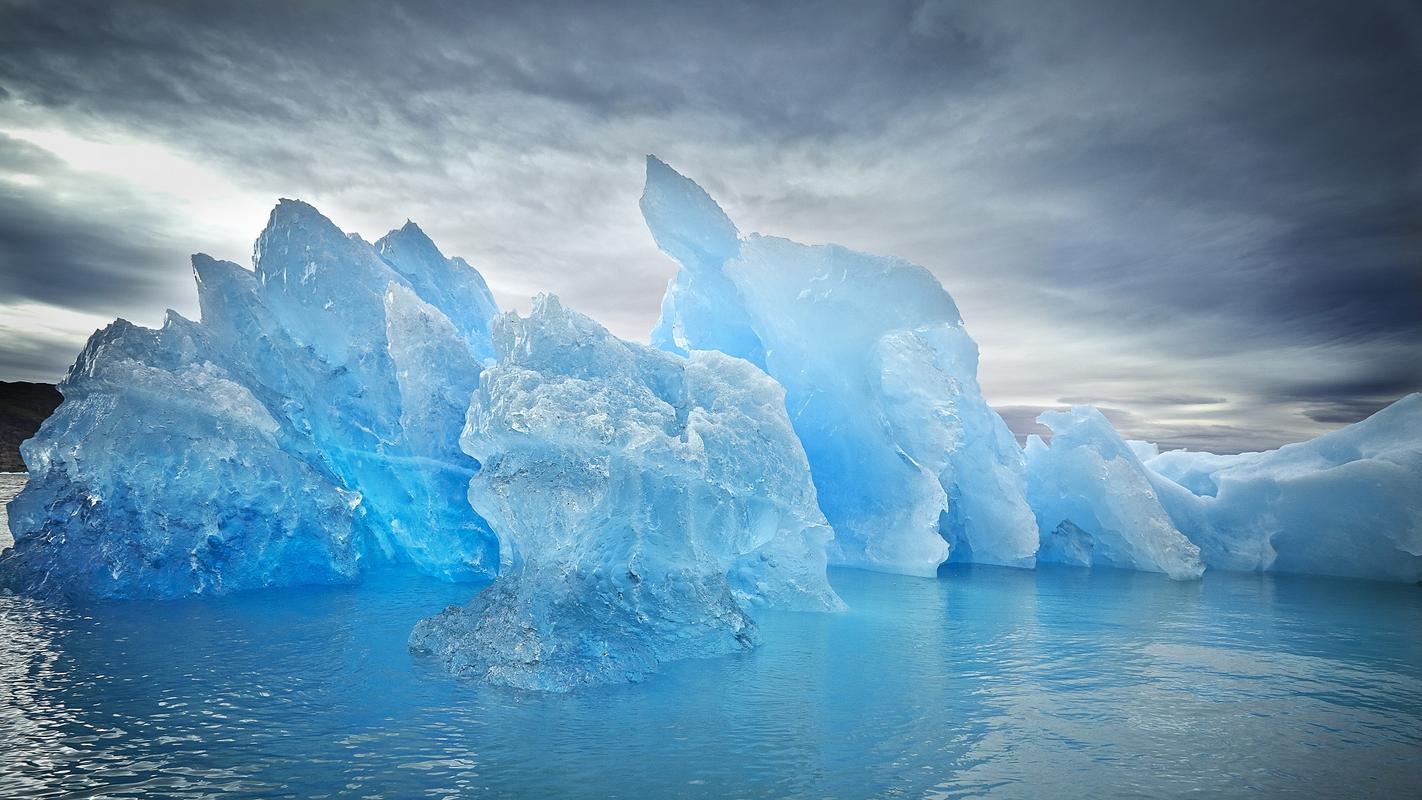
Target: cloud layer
<point>1143,205</point>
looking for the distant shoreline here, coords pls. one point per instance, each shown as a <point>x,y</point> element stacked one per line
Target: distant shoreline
<point>24,406</point>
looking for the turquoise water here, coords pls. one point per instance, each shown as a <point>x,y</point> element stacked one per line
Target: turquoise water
<point>983,683</point>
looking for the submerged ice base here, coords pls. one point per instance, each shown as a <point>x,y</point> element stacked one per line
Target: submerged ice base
<point>880,382</point>
<point>645,504</point>
<point>305,427</point>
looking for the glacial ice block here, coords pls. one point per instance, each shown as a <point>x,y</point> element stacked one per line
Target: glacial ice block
<point>361,381</point>
<point>880,378</point>
<point>1348,503</point>
<point>646,504</point>
<point>1095,503</point>
<point>160,475</point>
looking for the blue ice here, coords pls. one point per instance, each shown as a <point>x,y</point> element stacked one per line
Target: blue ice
<point>1094,501</point>
<point>646,505</point>
<point>880,379</point>
<point>305,427</point>
<point>1347,503</point>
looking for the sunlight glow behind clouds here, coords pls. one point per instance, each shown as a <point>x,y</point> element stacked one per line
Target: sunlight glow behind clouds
<point>202,201</point>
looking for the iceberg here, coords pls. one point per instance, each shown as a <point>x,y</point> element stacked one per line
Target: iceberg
<point>798,405</point>
<point>646,506</point>
<point>161,475</point>
<point>306,426</point>
<point>880,378</point>
<point>1348,503</point>
<point>1095,502</point>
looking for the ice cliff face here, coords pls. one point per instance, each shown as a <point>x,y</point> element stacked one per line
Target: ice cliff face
<point>880,380</point>
<point>1348,503</point>
<point>646,504</point>
<point>304,426</point>
<point>1095,504</point>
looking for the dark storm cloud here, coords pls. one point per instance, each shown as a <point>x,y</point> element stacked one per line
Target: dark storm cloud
<point>1328,389</point>
<point>1156,206</point>
<point>1259,164</point>
<point>97,260</point>
<point>1345,412</point>
<point>1357,273</point>
<point>50,256</point>
<point>1147,400</point>
<point>405,87</point>
<point>1347,401</point>
<point>26,355</point>
<point>783,69</point>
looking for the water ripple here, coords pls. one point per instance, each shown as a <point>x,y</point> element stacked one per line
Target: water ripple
<point>983,683</point>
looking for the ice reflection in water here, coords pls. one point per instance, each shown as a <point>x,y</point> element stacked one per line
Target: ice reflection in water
<point>985,682</point>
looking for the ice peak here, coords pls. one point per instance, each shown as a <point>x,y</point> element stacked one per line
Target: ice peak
<point>546,304</point>
<point>288,212</point>
<point>1086,422</point>
<point>408,240</point>
<point>451,285</point>
<point>685,221</point>
<point>209,270</point>
<point>554,335</point>
<point>299,222</point>
<point>294,227</point>
<point>1407,405</point>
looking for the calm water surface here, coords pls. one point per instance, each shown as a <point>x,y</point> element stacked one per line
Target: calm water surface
<point>982,683</point>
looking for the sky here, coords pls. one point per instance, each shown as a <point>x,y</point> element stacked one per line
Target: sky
<point>1205,218</point>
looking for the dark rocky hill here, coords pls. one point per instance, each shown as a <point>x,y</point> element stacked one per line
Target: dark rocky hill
<point>23,406</point>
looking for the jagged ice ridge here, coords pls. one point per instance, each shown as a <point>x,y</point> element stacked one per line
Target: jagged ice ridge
<point>305,427</point>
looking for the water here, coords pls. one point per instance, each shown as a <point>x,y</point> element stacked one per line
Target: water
<point>10,485</point>
<point>983,683</point>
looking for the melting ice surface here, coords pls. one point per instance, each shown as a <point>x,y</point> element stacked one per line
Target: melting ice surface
<point>988,682</point>
<point>880,379</point>
<point>645,504</point>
